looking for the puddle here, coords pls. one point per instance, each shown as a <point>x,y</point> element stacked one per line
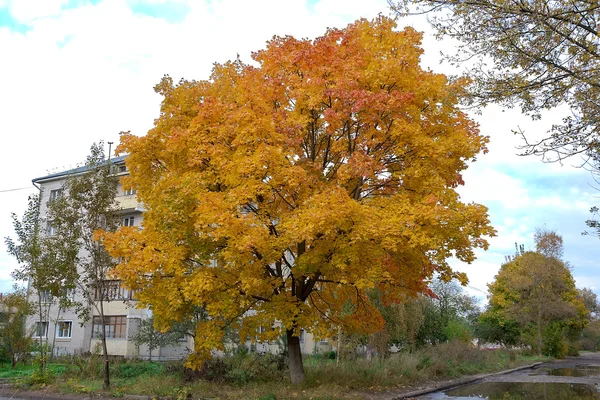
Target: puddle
<point>579,371</point>
<point>519,391</point>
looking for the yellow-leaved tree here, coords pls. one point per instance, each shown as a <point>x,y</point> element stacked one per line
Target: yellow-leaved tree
<point>278,194</point>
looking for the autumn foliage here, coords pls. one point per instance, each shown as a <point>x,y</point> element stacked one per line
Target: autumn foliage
<point>279,193</point>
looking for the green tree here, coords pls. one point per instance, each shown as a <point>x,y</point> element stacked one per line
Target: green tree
<point>88,205</point>
<point>447,314</point>
<point>35,257</point>
<point>535,290</point>
<point>543,54</point>
<point>493,327</point>
<point>403,319</point>
<point>148,335</point>
<point>15,338</point>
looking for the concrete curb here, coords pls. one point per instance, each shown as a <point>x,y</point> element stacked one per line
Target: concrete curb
<point>455,383</point>
<point>9,391</point>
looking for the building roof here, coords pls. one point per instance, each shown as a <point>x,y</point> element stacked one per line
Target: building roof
<point>78,170</point>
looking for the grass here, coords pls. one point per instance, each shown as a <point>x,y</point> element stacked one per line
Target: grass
<point>26,370</point>
<point>252,376</point>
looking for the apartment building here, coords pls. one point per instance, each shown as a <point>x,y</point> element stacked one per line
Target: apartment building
<point>62,329</point>
<point>67,334</point>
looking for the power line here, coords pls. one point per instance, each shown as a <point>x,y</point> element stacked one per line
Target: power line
<point>477,289</point>
<point>15,189</point>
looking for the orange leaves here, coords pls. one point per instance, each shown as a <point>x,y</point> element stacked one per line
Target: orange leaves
<point>327,170</point>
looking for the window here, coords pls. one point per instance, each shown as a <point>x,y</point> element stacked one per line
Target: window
<point>128,221</point>
<point>41,329</point>
<point>112,290</point>
<point>63,329</point>
<point>56,194</point>
<point>122,168</point>
<point>69,294</point>
<point>129,192</point>
<point>45,296</point>
<point>115,327</point>
<point>50,230</point>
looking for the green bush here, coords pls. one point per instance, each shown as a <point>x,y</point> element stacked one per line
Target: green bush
<point>573,348</point>
<point>36,378</point>
<point>458,330</point>
<point>554,344</point>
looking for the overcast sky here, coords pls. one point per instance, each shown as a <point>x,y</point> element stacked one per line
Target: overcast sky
<point>73,72</point>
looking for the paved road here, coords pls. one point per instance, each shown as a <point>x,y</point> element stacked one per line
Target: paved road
<point>573,378</point>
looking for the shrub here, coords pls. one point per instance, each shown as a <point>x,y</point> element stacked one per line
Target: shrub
<point>554,344</point>
<point>36,378</point>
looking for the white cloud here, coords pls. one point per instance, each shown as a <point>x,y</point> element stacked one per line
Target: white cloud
<point>26,11</point>
<point>484,185</point>
<point>84,74</point>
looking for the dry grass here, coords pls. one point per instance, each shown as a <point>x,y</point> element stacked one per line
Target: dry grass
<point>257,377</point>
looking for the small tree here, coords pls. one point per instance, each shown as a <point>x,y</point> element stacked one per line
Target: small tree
<point>15,338</point>
<point>36,265</point>
<point>149,336</point>
<point>88,205</point>
<point>590,300</point>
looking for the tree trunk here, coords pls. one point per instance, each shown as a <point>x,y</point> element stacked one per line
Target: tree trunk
<point>51,358</point>
<point>14,361</point>
<point>106,384</point>
<point>42,349</point>
<point>339,346</point>
<point>539,336</point>
<point>295,358</point>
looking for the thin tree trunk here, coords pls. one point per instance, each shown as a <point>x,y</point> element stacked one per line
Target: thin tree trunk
<point>295,357</point>
<point>41,332</point>
<point>106,384</point>
<point>54,336</point>
<point>539,334</point>
<point>339,346</point>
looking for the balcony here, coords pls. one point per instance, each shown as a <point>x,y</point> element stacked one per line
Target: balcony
<point>130,203</point>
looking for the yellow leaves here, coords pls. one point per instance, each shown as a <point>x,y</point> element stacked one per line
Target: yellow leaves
<point>326,171</point>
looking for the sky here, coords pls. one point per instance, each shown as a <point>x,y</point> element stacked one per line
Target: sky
<point>74,72</point>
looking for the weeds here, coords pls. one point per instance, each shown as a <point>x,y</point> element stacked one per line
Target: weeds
<point>253,375</point>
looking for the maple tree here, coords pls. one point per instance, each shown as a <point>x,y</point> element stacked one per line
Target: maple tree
<point>279,193</point>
